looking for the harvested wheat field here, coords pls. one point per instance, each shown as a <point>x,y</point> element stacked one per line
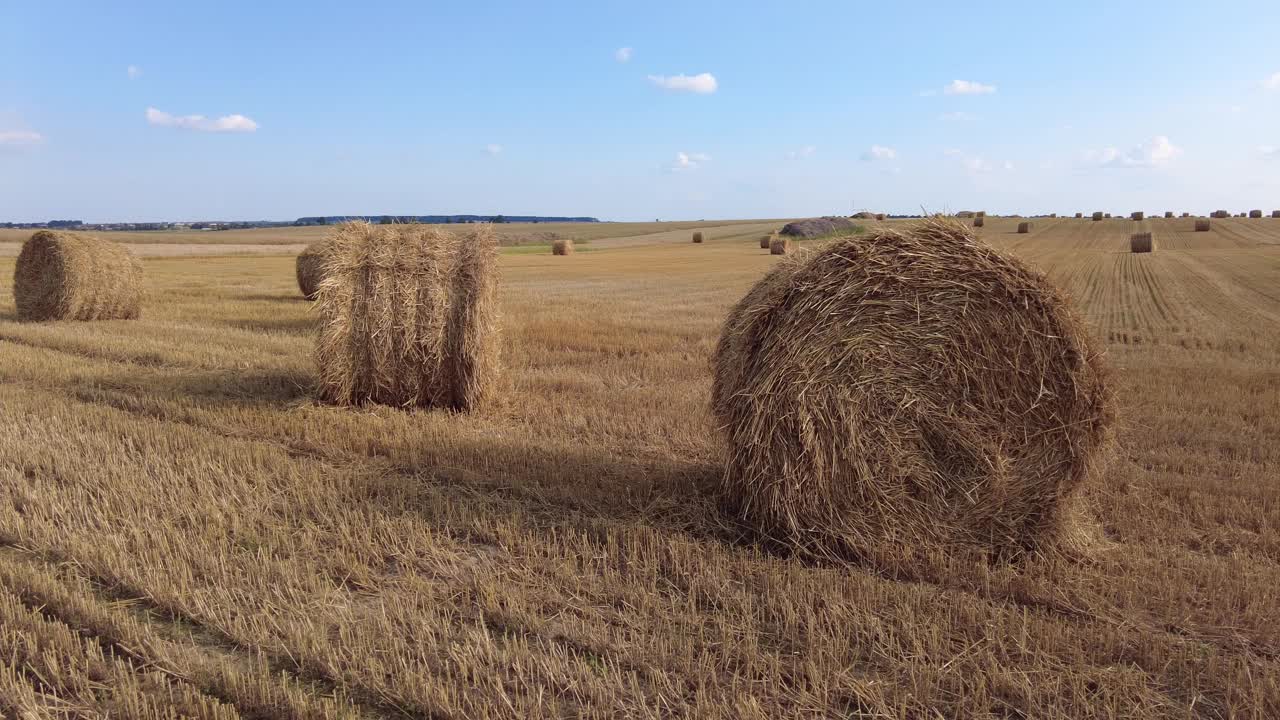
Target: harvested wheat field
<point>186,531</point>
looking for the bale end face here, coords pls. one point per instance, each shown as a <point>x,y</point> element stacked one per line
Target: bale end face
<point>67,276</point>
<point>697,237</point>
<point>1202,226</point>
<point>563,246</point>
<point>766,239</point>
<point>781,245</point>
<point>409,317</point>
<point>824,457</point>
<point>1024,228</point>
<point>1141,243</point>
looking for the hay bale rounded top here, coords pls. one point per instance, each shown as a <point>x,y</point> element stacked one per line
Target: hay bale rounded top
<point>818,227</point>
<point>907,389</point>
<point>409,316</point>
<point>68,276</point>
<point>309,267</point>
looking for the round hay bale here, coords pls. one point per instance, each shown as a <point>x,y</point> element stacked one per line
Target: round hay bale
<point>980,221</point>
<point>1141,243</point>
<point>1079,215</point>
<point>907,389</point>
<point>781,245</point>
<point>409,316</point>
<point>1136,215</point>
<point>1097,216</point>
<point>880,217</point>
<point>563,246</point>
<point>980,213</point>
<point>1255,214</point>
<point>766,239</point>
<point>67,276</point>
<point>1275,213</point>
<point>1186,214</point>
<point>697,236</point>
<point>309,266</point>
<point>1218,214</point>
<point>1202,225</point>
<point>1024,228</point>
<point>1107,216</point>
<point>1168,213</point>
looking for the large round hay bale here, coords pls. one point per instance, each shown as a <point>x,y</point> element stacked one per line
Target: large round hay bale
<point>409,316</point>
<point>1275,213</point>
<point>1255,214</point>
<point>1141,243</point>
<point>979,221</point>
<point>562,246</point>
<point>1136,215</point>
<point>1024,228</point>
<point>697,237</point>
<point>1097,216</point>
<point>880,217</point>
<point>781,245</point>
<point>1079,216</point>
<point>766,239</point>
<point>309,268</point>
<point>1168,213</point>
<point>907,389</point>
<point>1202,225</point>
<point>68,276</point>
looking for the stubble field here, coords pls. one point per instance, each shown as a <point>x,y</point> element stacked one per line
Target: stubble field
<point>184,532</point>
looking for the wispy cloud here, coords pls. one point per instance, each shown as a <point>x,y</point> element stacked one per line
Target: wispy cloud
<point>806,151</point>
<point>957,116</point>
<point>689,161</point>
<point>493,149</point>
<point>623,54</point>
<point>1156,152</point>
<point>701,84</point>
<point>1272,82</point>
<point>973,164</point>
<point>134,72</point>
<point>226,123</point>
<point>879,152</point>
<point>968,87</point>
<point>20,137</point>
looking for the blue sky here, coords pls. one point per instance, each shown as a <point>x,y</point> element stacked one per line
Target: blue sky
<point>163,110</point>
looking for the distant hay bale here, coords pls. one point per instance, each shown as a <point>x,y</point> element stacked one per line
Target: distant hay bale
<point>1024,228</point>
<point>1079,215</point>
<point>1255,214</point>
<point>1137,215</point>
<point>1202,225</point>
<point>818,227</point>
<point>563,246</point>
<point>781,245</point>
<point>864,215</point>
<point>907,389</point>
<point>67,276</point>
<point>697,236</point>
<point>409,316</point>
<point>1107,215</point>
<point>1168,213</point>
<point>1097,216</point>
<point>979,221</point>
<point>1275,213</point>
<point>880,217</point>
<point>1141,243</point>
<point>980,213</point>
<point>1218,214</point>
<point>1186,214</point>
<point>1053,215</point>
<point>966,214</point>
<point>308,267</point>
<point>766,239</point>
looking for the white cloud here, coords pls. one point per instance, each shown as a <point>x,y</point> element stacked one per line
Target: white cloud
<point>20,137</point>
<point>1272,82</point>
<point>226,123</point>
<point>968,87</point>
<point>806,151</point>
<point>1156,152</point>
<point>493,148</point>
<point>973,164</point>
<point>1008,165</point>
<point>134,72</point>
<point>702,84</point>
<point>623,54</point>
<point>1269,151</point>
<point>689,161</point>
<point>957,116</point>
<point>879,152</point>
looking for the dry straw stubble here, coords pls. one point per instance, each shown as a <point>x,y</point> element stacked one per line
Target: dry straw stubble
<point>563,246</point>
<point>68,276</point>
<point>906,390</point>
<point>410,316</point>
